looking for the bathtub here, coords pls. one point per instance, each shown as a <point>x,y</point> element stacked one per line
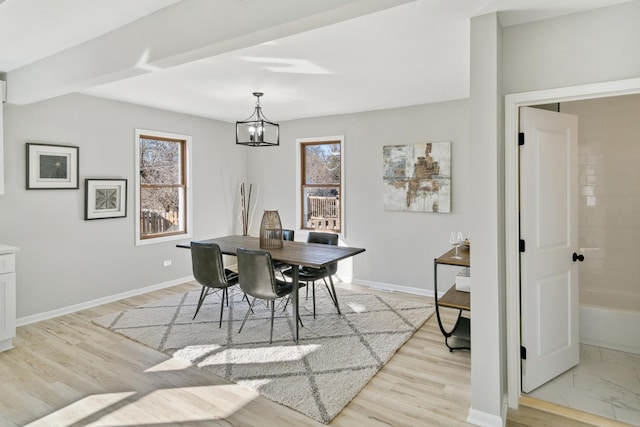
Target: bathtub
<point>610,320</point>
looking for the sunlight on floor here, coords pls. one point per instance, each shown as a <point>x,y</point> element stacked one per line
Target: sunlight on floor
<point>244,355</point>
<point>79,410</point>
<point>273,354</point>
<point>132,408</point>
<point>357,308</point>
<point>172,364</point>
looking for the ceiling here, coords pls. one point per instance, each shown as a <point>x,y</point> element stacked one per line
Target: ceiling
<point>204,57</point>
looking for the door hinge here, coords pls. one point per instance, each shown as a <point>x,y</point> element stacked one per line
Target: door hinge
<point>523,352</point>
<point>521,138</point>
<point>522,245</point>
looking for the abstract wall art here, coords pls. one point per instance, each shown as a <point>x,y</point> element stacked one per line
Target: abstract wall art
<point>417,177</point>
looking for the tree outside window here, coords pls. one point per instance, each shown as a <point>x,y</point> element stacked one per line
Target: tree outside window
<point>321,188</point>
<point>162,185</point>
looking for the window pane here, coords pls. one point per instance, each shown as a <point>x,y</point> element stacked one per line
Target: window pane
<point>160,161</point>
<point>161,210</point>
<point>322,208</point>
<point>322,164</point>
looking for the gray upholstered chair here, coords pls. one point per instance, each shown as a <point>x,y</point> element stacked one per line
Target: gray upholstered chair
<point>209,271</point>
<point>311,275</point>
<point>257,279</point>
<point>279,266</point>
<point>288,234</point>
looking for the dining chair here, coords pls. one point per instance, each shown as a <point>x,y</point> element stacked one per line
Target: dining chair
<point>279,266</point>
<point>209,271</point>
<point>257,279</point>
<point>310,275</point>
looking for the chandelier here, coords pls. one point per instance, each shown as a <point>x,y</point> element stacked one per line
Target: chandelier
<point>257,130</point>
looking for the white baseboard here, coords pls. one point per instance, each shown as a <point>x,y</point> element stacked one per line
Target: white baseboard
<point>481,418</point>
<point>484,419</point>
<point>505,408</point>
<point>389,287</point>
<point>6,344</point>
<point>26,320</point>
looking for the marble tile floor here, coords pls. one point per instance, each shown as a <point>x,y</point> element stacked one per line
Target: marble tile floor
<point>605,382</point>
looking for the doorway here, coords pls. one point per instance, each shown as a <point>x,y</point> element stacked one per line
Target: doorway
<point>512,106</point>
<point>605,382</point>
<point>549,232</point>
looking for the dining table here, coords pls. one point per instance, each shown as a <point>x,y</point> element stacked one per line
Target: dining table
<point>296,254</point>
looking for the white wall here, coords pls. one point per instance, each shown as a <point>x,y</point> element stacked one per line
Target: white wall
<point>609,180</point>
<point>594,46</point>
<point>488,335</point>
<point>400,246</point>
<point>589,47</point>
<point>65,260</point>
<point>2,91</point>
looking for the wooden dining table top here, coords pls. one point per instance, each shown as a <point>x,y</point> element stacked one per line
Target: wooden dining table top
<point>314,255</point>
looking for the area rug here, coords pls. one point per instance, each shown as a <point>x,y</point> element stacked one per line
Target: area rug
<point>335,357</point>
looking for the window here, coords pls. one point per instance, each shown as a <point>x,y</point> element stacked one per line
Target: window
<point>162,190</point>
<point>321,187</point>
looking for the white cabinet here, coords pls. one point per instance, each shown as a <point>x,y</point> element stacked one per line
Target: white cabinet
<point>3,87</point>
<point>7,296</point>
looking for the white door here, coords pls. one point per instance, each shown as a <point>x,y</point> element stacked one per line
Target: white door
<point>549,228</point>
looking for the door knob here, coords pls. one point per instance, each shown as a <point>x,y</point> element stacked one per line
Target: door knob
<point>577,257</point>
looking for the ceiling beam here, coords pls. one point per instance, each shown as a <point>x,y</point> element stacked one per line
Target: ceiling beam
<point>187,31</point>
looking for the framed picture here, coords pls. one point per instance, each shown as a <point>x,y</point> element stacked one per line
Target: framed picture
<point>417,177</point>
<point>105,198</point>
<point>51,166</point>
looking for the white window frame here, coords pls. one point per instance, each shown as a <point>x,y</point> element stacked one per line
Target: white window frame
<point>299,143</point>
<point>188,194</point>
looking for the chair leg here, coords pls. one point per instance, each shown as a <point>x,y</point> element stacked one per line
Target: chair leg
<point>335,296</point>
<point>285,307</point>
<point>313,291</point>
<point>326,285</point>
<point>247,298</point>
<point>225,295</point>
<point>247,315</point>
<point>203,295</point>
<point>273,309</point>
<point>332,293</point>
<point>286,303</point>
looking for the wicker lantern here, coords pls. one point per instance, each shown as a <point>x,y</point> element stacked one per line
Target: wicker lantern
<point>270,230</point>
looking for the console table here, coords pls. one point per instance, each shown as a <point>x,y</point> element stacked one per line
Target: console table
<point>455,299</point>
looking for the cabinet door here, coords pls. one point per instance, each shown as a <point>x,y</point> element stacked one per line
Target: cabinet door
<point>2,91</point>
<point>8,305</point>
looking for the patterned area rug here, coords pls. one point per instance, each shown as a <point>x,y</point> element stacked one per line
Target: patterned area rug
<point>334,358</point>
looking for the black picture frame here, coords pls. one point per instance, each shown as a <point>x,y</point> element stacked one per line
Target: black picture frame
<point>52,166</point>
<point>105,198</point>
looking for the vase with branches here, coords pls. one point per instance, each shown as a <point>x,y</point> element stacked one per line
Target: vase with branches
<point>245,202</point>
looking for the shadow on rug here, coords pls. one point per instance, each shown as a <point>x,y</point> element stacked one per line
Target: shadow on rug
<point>333,360</point>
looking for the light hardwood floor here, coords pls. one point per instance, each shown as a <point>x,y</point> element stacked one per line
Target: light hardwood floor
<point>70,372</point>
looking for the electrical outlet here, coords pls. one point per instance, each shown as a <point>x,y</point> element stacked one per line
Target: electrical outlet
<point>166,263</point>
